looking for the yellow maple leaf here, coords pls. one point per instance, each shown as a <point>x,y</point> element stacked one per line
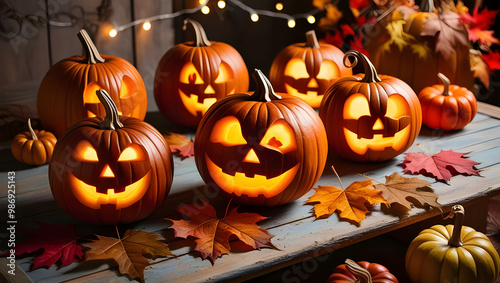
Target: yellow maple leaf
<point>397,35</point>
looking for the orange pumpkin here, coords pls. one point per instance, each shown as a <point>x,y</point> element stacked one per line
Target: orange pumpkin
<point>421,45</point>
<point>371,117</point>
<point>67,92</point>
<point>192,76</point>
<point>447,107</point>
<point>112,169</point>
<point>306,70</point>
<point>34,147</point>
<point>361,272</point>
<point>261,149</point>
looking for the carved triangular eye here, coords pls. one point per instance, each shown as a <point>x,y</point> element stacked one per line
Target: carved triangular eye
<point>89,95</point>
<point>356,106</point>
<point>225,73</point>
<point>227,131</point>
<point>328,70</point>
<point>133,152</point>
<point>296,68</point>
<point>189,74</point>
<point>128,87</point>
<point>84,151</point>
<point>279,136</point>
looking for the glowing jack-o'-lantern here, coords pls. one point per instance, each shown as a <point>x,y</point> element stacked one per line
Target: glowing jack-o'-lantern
<point>370,118</point>
<point>192,76</point>
<point>67,93</point>
<point>306,70</point>
<point>110,170</point>
<point>253,148</point>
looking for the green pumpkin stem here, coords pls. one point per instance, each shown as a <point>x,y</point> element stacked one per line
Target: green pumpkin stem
<point>312,40</point>
<point>91,53</point>
<point>458,212</point>
<point>264,91</point>
<point>371,75</point>
<point>446,83</point>
<point>199,33</point>
<point>362,275</point>
<point>32,133</point>
<point>426,6</point>
<point>112,119</point>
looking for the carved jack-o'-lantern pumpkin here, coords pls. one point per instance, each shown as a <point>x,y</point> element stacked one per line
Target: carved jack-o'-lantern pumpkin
<point>370,118</point>
<point>306,70</point>
<point>261,149</point>
<point>67,93</point>
<point>110,170</point>
<point>192,76</point>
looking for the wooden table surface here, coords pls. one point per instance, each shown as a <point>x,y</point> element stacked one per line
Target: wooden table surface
<point>296,233</point>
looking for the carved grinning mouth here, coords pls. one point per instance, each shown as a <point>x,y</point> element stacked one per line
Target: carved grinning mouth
<point>240,184</point>
<point>88,195</point>
<point>192,104</point>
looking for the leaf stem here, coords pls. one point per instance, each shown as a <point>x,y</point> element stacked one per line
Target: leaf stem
<point>338,177</point>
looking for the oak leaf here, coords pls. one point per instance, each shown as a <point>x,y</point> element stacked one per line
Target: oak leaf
<point>180,145</point>
<point>212,234</point>
<point>351,204</point>
<point>59,242</point>
<point>442,165</point>
<point>407,191</point>
<point>131,252</point>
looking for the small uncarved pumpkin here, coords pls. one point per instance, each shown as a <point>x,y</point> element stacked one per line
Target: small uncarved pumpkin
<point>33,147</point>
<point>361,272</point>
<point>261,149</point>
<point>192,76</point>
<point>371,117</point>
<point>452,253</point>
<point>306,70</point>
<point>112,169</point>
<point>67,93</point>
<point>447,107</point>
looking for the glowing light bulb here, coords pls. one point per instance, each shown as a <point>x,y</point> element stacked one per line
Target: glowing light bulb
<point>291,23</point>
<point>205,10</point>
<point>254,17</point>
<point>113,33</point>
<point>146,26</point>
<point>221,4</point>
<point>279,6</point>
<point>311,19</point>
<point>202,2</point>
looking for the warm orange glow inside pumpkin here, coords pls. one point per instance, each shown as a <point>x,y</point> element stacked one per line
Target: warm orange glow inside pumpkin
<point>306,86</point>
<point>356,106</point>
<point>88,195</point>
<point>278,138</point>
<point>200,101</point>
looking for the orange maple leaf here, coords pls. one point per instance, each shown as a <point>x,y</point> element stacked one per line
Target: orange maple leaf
<point>350,203</point>
<point>212,234</point>
<point>180,145</point>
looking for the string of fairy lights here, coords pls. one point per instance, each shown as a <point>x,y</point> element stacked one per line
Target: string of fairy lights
<point>221,4</point>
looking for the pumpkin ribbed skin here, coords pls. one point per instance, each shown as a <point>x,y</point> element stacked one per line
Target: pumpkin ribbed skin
<point>377,89</point>
<point>33,150</point>
<point>447,107</point>
<point>430,259</point>
<point>109,144</point>
<point>256,117</point>
<point>378,272</point>
<point>207,57</point>
<point>312,54</point>
<point>60,100</point>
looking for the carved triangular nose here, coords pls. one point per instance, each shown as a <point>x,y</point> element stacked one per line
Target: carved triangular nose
<point>106,172</point>
<point>312,83</point>
<point>378,125</point>
<point>251,157</point>
<point>209,90</point>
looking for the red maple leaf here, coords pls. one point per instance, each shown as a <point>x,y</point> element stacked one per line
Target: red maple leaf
<point>57,241</point>
<point>347,30</point>
<point>442,165</point>
<point>478,24</point>
<point>180,145</point>
<point>336,39</point>
<point>357,44</point>
<point>212,234</point>
<point>492,59</point>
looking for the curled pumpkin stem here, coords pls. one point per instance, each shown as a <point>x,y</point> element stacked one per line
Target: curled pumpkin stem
<point>201,38</point>
<point>458,212</point>
<point>362,275</point>
<point>264,91</point>
<point>371,75</point>
<point>426,6</point>
<point>112,119</point>
<point>91,53</point>
<point>32,133</point>
<point>446,83</point>
<point>312,40</point>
